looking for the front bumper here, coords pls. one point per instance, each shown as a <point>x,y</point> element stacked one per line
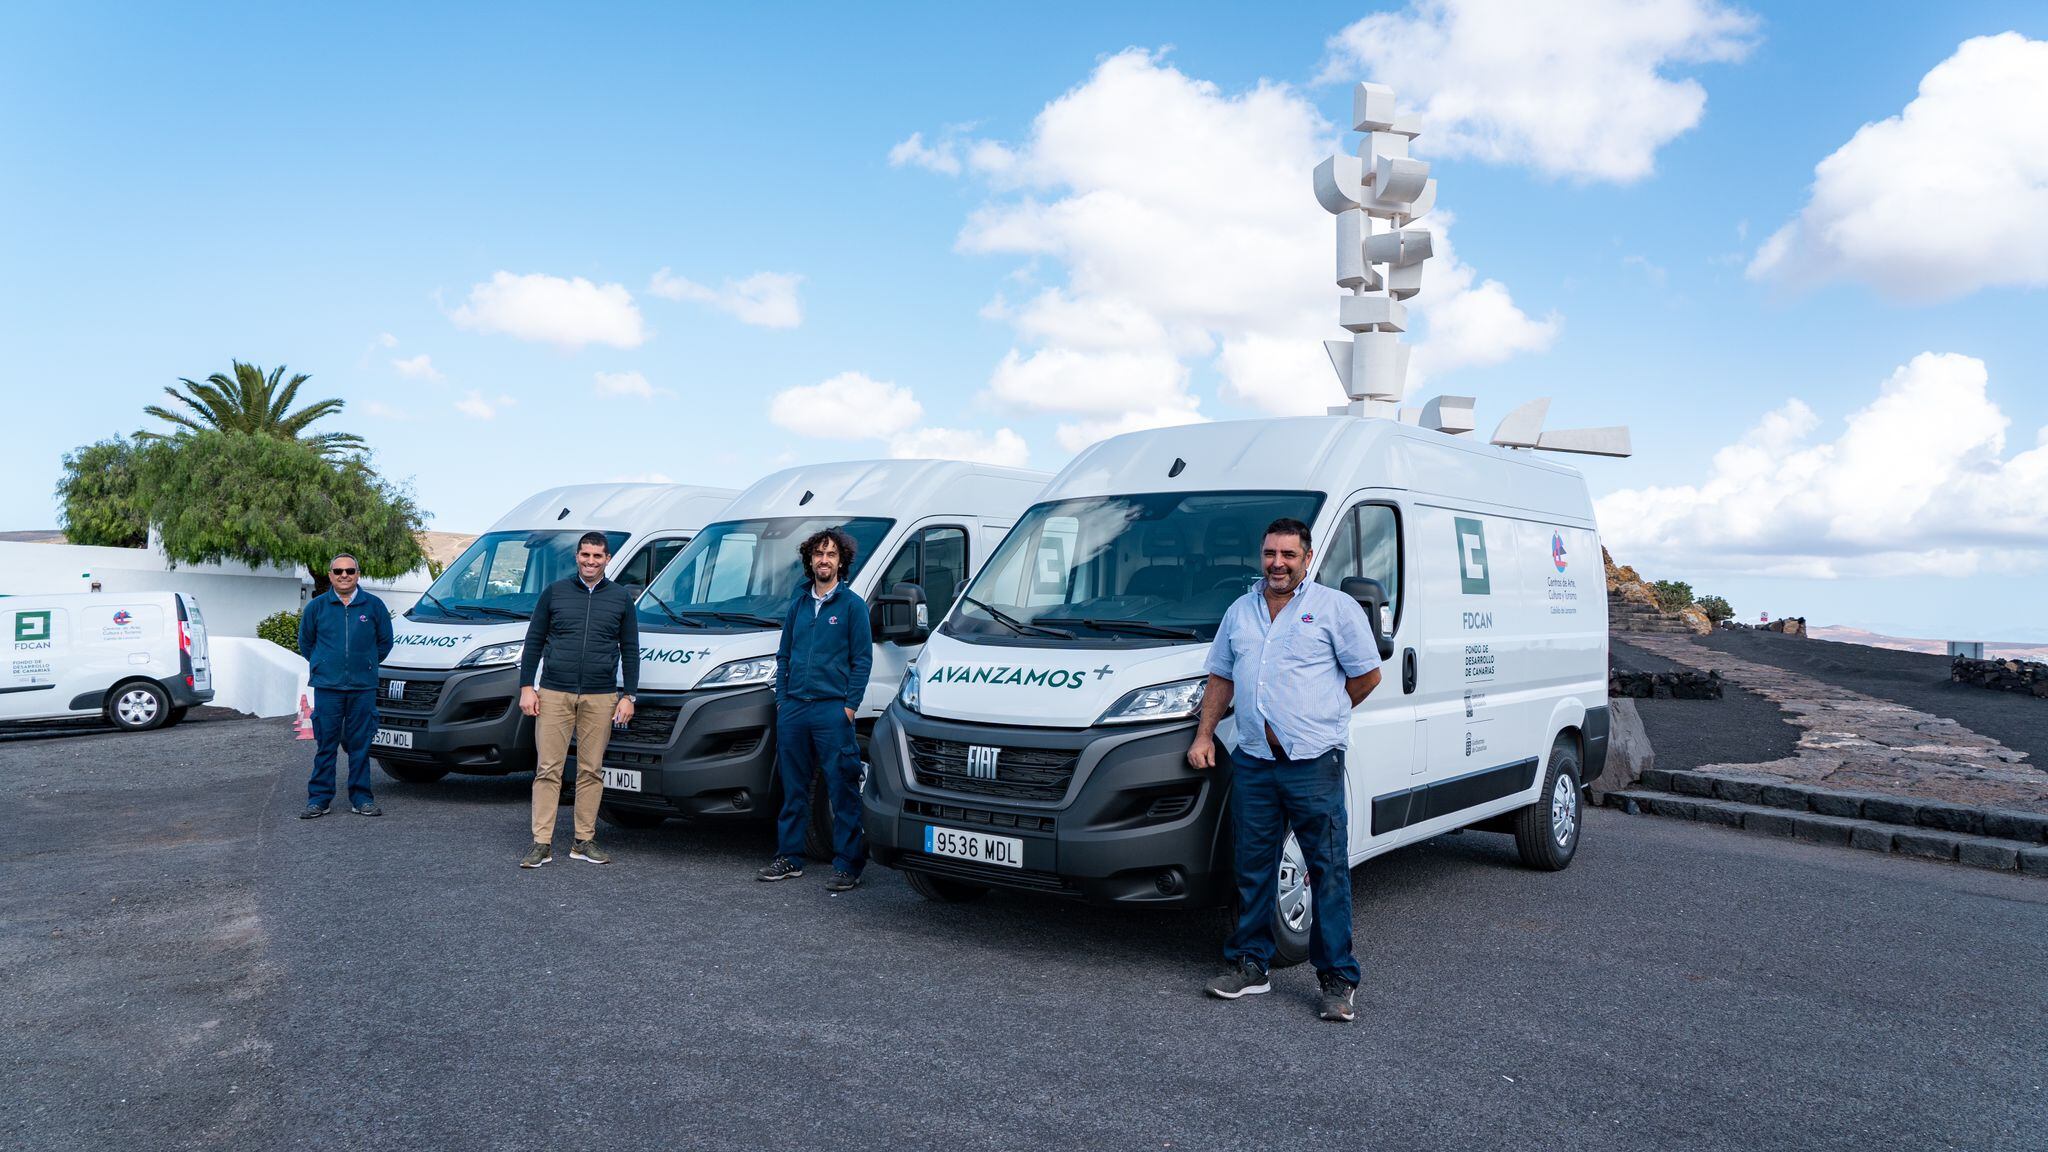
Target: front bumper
<point>461,719</point>
<point>699,754</point>
<point>1133,825</point>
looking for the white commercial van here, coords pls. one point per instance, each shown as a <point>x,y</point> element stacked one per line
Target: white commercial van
<point>701,743</point>
<point>447,696</point>
<point>137,658</point>
<point>1039,741</point>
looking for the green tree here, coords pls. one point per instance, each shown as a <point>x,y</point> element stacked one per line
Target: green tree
<point>1672,594</point>
<point>101,506</point>
<point>1716,608</point>
<point>263,500</point>
<point>251,402</point>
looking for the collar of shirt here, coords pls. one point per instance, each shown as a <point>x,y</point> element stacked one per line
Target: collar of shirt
<point>589,585</point>
<point>338,598</point>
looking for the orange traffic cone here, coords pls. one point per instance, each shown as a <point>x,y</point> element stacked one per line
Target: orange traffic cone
<point>305,724</point>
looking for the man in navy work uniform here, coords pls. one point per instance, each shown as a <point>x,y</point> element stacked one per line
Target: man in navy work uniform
<point>344,633</point>
<point>1297,657</point>
<point>821,673</point>
<point>586,628</point>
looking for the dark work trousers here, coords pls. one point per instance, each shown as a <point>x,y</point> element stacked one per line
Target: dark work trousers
<point>1267,798</point>
<point>813,736</point>
<point>345,720</point>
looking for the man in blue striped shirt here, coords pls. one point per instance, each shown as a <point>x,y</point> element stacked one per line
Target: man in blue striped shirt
<point>1296,657</point>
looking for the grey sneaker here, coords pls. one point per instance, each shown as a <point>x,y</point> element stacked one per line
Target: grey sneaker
<point>1246,979</point>
<point>538,855</point>
<point>1338,994</point>
<point>369,809</point>
<point>842,882</point>
<point>313,812</point>
<point>780,868</point>
<point>588,850</point>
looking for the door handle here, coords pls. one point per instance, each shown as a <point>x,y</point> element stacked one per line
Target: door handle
<point>1407,671</point>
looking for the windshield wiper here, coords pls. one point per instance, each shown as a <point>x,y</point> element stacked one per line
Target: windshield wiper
<point>1020,627</point>
<point>737,617</point>
<point>445,609</point>
<point>494,610</point>
<point>671,613</point>
<point>1141,628</point>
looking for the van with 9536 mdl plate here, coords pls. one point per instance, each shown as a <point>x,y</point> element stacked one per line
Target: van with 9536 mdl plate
<point>447,696</point>
<point>138,659</point>
<point>1040,740</point>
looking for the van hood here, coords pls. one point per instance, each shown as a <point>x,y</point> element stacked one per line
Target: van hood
<point>1042,687</point>
<point>676,661</point>
<point>442,644</point>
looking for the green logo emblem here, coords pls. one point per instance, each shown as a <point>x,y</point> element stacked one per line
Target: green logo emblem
<point>31,626</point>
<point>1472,557</point>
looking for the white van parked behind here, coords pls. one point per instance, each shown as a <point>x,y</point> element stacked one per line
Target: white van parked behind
<point>1040,740</point>
<point>137,658</point>
<point>701,743</point>
<point>447,695</point>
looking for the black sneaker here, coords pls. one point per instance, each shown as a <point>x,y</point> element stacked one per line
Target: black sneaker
<point>1337,998</point>
<point>589,852</point>
<point>369,809</point>
<point>780,868</point>
<point>313,812</point>
<point>538,855</point>
<point>842,882</point>
<point>1246,979</point>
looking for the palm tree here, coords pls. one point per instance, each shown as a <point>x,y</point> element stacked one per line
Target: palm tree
<point>253,403</point>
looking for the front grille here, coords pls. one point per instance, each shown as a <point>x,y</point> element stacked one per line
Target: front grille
<point>415,723</point>
<point>1020,773</point>
<point>652,724</point>
<point>988,873</point>
<point>419,696</point>
<point>956,814</point>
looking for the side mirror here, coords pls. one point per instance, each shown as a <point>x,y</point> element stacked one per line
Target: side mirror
<point>1373,598</point>
<point>899,616</point>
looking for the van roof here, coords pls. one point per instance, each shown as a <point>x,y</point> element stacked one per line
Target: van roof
<point>893,488</point>
<point>631,507</point>
<point>1335,454</point>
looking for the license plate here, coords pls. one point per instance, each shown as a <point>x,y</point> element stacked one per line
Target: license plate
<point>386,738</point>
<point>980,847</point>
<point>622,779</point>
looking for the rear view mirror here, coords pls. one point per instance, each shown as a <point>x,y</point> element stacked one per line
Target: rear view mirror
<point>899,616</point>
<point>1373,599</point>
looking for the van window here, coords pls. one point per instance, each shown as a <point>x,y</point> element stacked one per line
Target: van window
<point>649,561</point>
<point>1366,542</point>
<point>742,574</point>
<point>501,574</point>
<point>935,560</point>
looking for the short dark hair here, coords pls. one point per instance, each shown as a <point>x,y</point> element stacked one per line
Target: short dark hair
<point>847,549</point>
<point>1289,526</point>
<point>594,537</point>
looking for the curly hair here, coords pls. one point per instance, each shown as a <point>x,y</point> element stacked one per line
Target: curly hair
<point>847,549</point>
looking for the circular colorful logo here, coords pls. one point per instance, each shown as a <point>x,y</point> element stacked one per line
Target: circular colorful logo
<point>122,617</point>
<point>1557,550</point>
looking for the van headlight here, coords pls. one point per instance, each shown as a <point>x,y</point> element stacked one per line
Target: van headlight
<point>1179,700</point>
<point>760,670</point>
<point>492,655</point>
<point>907,695</point>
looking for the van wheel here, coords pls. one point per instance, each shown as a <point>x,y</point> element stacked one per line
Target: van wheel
<point>411,773</point>
<point>138,706</point>
<point>1547,832</point>
<point>1294,912</point>
<point>634,818</point>
<point>943,890</point>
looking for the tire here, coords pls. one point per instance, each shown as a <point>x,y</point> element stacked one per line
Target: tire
<point>411,773</point>
<point>630,818</point>
<point>177,714</point>
<point>1547,832</point>
<point>943,890</point>
<point>1294,913</point>
<point>138,706</point>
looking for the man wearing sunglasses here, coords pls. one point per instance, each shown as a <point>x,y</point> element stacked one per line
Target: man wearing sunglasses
<point>344,634</point>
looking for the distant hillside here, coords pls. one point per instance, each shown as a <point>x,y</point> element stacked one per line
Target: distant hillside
<point>1909,644</point>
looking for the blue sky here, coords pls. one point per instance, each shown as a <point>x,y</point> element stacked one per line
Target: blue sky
<point>1099,223</point>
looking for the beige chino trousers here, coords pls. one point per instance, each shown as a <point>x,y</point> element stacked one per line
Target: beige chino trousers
<point>589,716</point>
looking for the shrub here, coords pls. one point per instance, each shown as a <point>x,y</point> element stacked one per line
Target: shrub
<point>281,630</point>
<point>1716,608</point>
<point>1673,594</point>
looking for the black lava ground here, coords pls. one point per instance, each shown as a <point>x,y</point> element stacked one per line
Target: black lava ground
<point>1740,728</point>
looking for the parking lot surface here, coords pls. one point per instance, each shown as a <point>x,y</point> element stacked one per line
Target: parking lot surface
<point>183,965</point>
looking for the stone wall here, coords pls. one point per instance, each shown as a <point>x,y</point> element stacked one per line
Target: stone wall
<point>1664,685</point>
<point>1632,606</point>
<point>2023,676</point>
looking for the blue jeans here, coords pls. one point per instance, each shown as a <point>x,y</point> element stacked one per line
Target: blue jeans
<point>814,736</point>
<point>1267,798</point>
<point>347,719</point>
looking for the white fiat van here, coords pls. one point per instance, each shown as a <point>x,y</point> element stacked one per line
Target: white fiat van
<point>137,658</point>
<point>701,743</point>
<point>447,695</point>
<point>1039,741</point>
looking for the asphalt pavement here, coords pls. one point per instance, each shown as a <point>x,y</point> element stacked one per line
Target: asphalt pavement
<point>185,965</point>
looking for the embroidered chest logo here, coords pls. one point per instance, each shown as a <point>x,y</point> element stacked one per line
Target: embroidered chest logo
<point>1308,617</point>
<point>831,619</point>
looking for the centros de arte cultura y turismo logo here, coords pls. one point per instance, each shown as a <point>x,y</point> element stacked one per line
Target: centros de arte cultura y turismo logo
<point>1557,550</point>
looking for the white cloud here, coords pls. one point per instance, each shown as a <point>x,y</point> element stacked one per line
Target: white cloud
<point>849,406</point>
<point>1579,90</point>
<point>943,158</point>
<point>1081,433</point>
<point>1947,197</point>
<point>1002,446</point>
<point>386,340</point>
<point>765,299</point>
<point>627,384</point>
<point>550,309</point>
<point>1918,482</point>
<point>474,405</point>
<point>420,367</point>
<point>377,409</point>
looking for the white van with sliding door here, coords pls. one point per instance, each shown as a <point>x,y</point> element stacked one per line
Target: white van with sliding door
<point>1039,742</point>
<point>138,659</point>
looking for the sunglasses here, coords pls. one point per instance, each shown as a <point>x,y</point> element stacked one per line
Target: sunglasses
<point>341,571</point>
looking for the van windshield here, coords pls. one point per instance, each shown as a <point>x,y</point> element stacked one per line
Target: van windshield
<point>501,574</point>
<point>740,575</point>
<point>1121,570</point>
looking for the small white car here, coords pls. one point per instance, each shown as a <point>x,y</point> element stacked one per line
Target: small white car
<point>137,658</point>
